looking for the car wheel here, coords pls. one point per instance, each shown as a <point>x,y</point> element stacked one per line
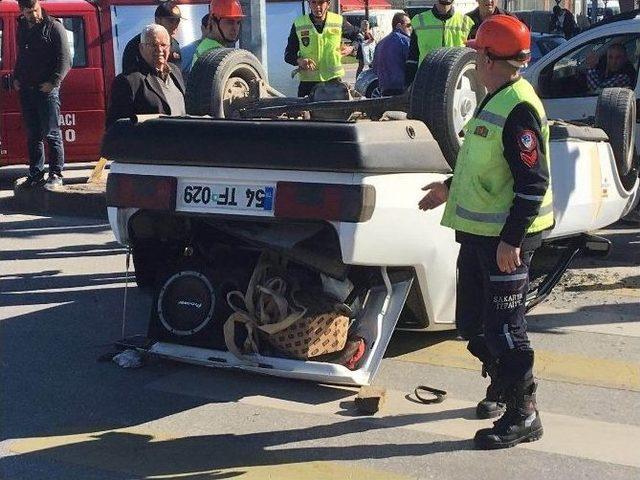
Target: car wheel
<point>221,80</point>
<point>616,115</point>
<point>445,94</point>
<point>373,91</point>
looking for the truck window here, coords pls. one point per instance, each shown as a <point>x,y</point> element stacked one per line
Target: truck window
<point>77,45</point>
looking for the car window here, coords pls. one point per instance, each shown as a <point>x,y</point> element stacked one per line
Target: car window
<point>567,76</point>
<point>75,35</point>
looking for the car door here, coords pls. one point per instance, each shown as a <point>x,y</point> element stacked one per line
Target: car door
<point>560,77</point>
<point>12,145</point>
<point>82,94</point>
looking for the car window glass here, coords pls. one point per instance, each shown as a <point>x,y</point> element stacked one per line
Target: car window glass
<point>75,35</point>
<point>567,76</point>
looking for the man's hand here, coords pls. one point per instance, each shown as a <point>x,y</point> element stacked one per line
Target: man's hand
<point>16,85</point>
<point>346,50</point>
<point>437,194</point>
<point>307,64</point>
<point>46,87</point>
<point>507,257</point>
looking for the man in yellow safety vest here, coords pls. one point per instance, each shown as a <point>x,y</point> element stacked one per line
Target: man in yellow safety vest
<point>499,201</point>
<point>439,27</point>
<point>315,46</point>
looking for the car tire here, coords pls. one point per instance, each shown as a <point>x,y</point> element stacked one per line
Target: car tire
<point>221,77</point>
<point>372,90</point>
<point>445,94</point>
<point>616,115</point>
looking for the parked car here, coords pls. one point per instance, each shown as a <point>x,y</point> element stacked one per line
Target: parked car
<point>541,44</point>
<point>559,77</point>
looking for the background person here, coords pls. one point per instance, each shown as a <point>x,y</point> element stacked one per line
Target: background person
<point>439,27</point>
<point>563,22</point>
<point>225,17</point>
<point>168,15</point>
<point>484,10</point>
<point>157,85</point>
<point>391,56</point>
<point>615,71</point>
<point>366,47</point>
<point>499,202</point>
<point>315,46</point>
<point>43,62</point>
<point>188,51</point>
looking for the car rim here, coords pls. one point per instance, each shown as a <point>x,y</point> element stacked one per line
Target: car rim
<point>238,87</point>
<point>465,97</point>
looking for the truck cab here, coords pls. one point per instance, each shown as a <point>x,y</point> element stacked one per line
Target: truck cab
<point>83,90</point>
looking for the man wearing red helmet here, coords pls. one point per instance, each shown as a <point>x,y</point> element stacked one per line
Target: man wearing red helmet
<point>439,27</point>
<point>225,17</point>
<point>499,201</point>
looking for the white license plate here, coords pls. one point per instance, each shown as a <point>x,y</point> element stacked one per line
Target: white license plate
<point>226,197</point>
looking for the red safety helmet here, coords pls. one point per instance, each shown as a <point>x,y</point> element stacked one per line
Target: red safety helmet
<point>230,9</point>
<point>503,37</point>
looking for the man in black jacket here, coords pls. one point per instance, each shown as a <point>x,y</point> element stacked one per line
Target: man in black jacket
<point>168,15</point>
<point>485,9</point>
<point>156,87</point>
<point>42,63</point>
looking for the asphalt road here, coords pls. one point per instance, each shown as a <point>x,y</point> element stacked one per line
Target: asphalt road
<point>66,415</point>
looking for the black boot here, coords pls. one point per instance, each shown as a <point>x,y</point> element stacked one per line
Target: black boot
<point>520,423</point>
<point>493,404</point>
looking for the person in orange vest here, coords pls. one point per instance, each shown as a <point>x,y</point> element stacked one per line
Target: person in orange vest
<point>499,201</point>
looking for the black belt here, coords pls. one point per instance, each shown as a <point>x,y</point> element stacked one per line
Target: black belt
<point>438,395</point>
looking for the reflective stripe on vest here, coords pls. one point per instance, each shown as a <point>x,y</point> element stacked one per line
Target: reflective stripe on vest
<point>481,193</point>
<point>323,48</point>
<point>204,46</point>
<point>433,33</point>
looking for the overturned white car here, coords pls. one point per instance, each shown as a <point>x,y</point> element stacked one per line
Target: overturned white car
<point>198,200</point>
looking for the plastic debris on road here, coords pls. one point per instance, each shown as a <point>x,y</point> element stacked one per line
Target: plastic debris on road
<point>128,359</point>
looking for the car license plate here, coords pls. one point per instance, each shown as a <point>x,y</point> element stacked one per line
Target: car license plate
<point>257,199</point>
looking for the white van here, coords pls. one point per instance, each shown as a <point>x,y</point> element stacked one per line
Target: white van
<point>380,20</point>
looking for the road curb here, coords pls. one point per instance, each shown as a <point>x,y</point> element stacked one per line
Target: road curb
<point>75,200</point>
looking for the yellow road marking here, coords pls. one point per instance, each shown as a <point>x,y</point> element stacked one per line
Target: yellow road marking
<point>564,367</point>
<point>154,455</point>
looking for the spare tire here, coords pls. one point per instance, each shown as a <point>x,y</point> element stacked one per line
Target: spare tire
<point>445,94</point>
<point>221,77</point>
<point>616,115</point>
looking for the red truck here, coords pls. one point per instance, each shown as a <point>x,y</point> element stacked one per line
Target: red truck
<point>98,31</point>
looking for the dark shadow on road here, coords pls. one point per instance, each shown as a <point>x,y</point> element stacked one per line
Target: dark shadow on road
<point>407,342</point>
<point>71,251</point>
<point>49,226</point>
<point>204,456</point>
<point>584,316</point>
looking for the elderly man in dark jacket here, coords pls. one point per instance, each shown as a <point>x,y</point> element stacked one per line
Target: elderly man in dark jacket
<point>157,87</point>
<point>42,63</point>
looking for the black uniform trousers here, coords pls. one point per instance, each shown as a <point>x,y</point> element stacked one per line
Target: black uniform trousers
<point>490,310</point>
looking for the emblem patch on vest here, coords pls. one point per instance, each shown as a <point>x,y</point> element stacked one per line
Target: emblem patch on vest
<point>528,148</point>
<point>481,130</point>
<point>305,36</point>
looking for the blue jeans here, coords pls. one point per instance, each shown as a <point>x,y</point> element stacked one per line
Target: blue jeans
<point>41,116</point>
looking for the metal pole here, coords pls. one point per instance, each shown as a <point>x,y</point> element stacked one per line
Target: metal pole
<point>366,10</point>
<point>253,36</point>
